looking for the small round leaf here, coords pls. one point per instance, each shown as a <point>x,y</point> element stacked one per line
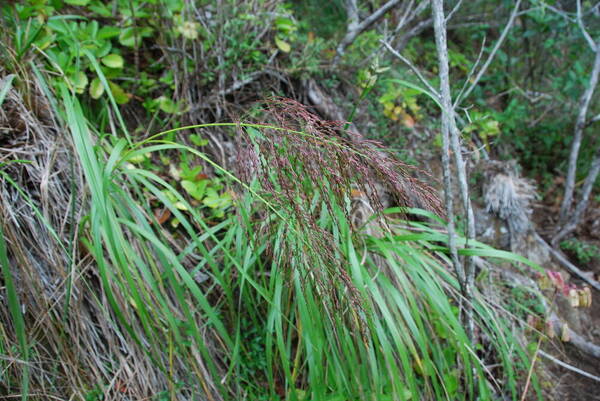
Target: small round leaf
<point>113,61</point>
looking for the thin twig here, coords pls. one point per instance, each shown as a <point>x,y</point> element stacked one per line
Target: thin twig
<point>586,191</point>
<point>530,373</point>
<point>569,367</point>
<point>355,27</point>
<point>487,63</point>
<point>592,120</point>
<point>413,68</point>
<point>454,10</point>
<point>584,31</point>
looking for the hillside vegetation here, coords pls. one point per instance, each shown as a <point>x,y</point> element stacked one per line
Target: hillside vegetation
<point>283,200</point>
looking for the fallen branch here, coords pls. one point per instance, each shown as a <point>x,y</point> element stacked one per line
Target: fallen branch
<point>575,339</point>
<point>565,262</point>
<point>569,367</point>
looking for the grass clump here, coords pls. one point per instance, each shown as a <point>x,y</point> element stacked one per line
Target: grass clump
<point>288,294</point>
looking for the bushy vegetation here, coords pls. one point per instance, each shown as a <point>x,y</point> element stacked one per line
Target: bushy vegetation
<point>175,227</point>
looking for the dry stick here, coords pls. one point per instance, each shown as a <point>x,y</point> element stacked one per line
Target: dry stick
<point>414,69</point>
<point>409,14</point>
<point>355,27</point>
<point>487,63</point>
<point>584,31</point>
<point>530,373</point>
<point>450,135</point>
<point>585,101</point>
<point>593,120</point>
<point>569,367</point>
<point>448,131</point>
<point>573,222</point>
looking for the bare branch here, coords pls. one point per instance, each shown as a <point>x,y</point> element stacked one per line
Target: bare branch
<point>573,222</point>
<point>355,27</point>
<point>471,72</point>
<point>408,14</point>
<point>574,338</point>
<point>584,104</point>
<point>414,31</point>
<point>413,68</point>
<point>487,63</point>
<point>569,367</point>
<point>454,10</point>
<point>584,31</point>
<point>352,12</point>
<point>592,120</point>
<point>450,138</point>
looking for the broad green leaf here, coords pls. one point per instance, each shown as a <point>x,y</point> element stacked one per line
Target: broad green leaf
<point>103,49</point>
<point>127,37</point>
<point>45,41</point>
<point>96,88</point>
<point>198,140</point>
<point>285,25</point>
<point>107,32</point>
<point>113,61</point>
<point>195,189</point>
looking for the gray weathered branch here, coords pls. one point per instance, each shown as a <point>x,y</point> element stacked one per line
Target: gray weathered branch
<point>565,262</point>
<point>450,139</point>
<point>414,69</point>
<point>586,191</point>
<point>355,27</point>
<point>574,338</point>
<point>580,124</point>
<point>584,31</point>
<point>569,367</point>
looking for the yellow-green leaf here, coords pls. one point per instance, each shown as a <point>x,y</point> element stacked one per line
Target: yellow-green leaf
<point>283,45</point>
<point>113,61</point>
<point>118,93</point>
<point>77,2</point>
<point>96,88</point>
